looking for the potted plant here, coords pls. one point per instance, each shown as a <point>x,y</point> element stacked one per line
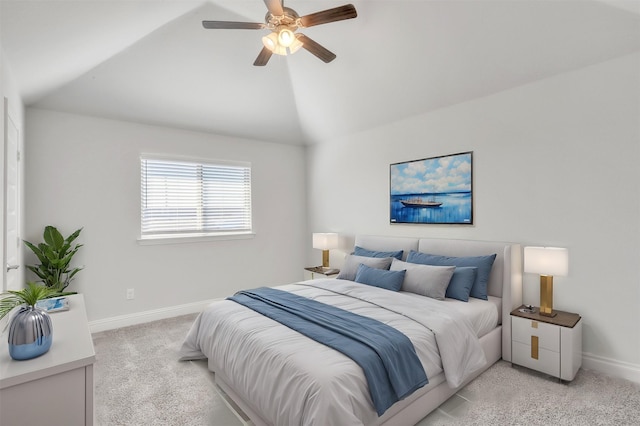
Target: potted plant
<point>30,329</point>
<point>55,255</point>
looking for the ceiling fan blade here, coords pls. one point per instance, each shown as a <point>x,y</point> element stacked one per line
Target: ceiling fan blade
<point>229,25</point>
<point>275,7</point>
<point>320,52</point>
<point>341,13</point>
<point>263,57</point>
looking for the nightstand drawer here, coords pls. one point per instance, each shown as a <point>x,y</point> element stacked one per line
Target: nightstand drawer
<point>548,335</point>
<point>548,362</point>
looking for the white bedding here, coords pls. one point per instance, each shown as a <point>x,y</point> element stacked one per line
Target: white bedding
<point>483,315</point>
<point>291,379</point>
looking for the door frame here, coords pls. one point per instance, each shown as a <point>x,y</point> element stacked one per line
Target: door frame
<point>7,120</point>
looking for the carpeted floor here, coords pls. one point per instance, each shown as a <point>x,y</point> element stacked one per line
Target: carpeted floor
<point>139,381</point>
<point>506,395</point>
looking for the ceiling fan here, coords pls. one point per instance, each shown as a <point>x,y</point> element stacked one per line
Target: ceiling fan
<point>283,23</point>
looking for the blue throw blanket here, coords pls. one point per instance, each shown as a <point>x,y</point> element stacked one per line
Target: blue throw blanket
<point>387,356</point>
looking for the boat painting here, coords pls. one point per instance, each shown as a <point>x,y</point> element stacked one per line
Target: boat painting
<point>435,190</point>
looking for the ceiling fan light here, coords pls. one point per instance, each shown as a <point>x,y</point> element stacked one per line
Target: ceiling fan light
<point>286,37</point>
<point>280,50</point>
<point>295,45</point>
<point>270,41</point>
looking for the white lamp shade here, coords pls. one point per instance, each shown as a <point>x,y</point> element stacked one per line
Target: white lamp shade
<point>325,240</point>
<point>546,261</point>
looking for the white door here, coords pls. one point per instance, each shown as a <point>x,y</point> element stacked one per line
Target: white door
<point>11,194</point>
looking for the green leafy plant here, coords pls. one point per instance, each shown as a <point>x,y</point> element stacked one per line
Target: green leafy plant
<point>55,255</point>
<point>29,296</point>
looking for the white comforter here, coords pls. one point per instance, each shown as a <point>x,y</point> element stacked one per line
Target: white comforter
<point>292,380</point>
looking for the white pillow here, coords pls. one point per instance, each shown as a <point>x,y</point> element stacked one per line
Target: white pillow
<point>426,280</point>
<point>351,263</point>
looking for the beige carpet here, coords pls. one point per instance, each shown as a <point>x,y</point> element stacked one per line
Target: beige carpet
<point>139,381</point>
<point>506,395</point>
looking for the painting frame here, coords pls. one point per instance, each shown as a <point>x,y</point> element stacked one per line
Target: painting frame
<point>432,191</point>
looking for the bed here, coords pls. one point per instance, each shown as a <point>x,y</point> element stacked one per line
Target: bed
<point>277,376</point>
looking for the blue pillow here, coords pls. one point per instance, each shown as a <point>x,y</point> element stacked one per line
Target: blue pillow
<point>390,280</point>
<point>359,251</point>
<point>461,283</point>
<point>483,263</point>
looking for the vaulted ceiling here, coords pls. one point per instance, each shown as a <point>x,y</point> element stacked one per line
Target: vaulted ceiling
<point>151,61</point>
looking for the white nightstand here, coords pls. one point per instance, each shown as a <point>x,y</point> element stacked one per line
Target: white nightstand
<point>551,345</point>
<point>317,272</point>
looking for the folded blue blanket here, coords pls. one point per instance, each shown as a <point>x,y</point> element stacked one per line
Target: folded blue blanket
<point>387,356</point>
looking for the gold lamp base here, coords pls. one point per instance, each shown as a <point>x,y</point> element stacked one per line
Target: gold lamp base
<point>325,258</point>
<point>546,296</point>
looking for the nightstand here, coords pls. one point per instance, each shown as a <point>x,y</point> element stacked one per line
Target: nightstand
<point>317,272</point>
<point>551,345</point>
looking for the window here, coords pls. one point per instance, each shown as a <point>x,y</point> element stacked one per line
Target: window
<point>193,199</point>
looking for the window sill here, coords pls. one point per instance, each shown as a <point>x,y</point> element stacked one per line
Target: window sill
<point>193,238</point>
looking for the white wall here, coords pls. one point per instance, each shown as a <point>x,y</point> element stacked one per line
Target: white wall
<point>85,172</point>
<point>555,163</point>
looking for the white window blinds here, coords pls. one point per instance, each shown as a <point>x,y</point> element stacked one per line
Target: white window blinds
<point>192,199</point>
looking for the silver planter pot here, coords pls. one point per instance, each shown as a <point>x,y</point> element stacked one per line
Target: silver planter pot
<point>30,333</point>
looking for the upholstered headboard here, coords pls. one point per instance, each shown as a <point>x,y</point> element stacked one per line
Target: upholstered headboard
<point>505,280</point>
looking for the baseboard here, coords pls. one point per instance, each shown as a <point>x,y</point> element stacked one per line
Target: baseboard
<point>611,367</point>
<point>148,316</point>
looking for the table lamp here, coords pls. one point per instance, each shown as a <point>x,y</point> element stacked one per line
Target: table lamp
<point>325,242</point>
<point>546,261</point>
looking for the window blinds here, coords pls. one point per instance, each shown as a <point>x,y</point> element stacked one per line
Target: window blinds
<point>180,197</point>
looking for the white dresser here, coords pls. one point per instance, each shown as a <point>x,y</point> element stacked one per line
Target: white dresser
<point>552,345</point>
<point>57,387</point>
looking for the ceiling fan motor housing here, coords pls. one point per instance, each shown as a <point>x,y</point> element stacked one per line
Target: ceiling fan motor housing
<point>290,19</point>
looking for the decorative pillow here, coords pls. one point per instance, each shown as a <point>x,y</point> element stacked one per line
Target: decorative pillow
<point>390,280</point>
<point>461,283</point>
<point>350,267</point>
<point>426,280</point>
<point>483,263</point>
<point>359,251</point>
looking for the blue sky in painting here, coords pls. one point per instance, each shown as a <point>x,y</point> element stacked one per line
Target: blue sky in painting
<point>443,174</point>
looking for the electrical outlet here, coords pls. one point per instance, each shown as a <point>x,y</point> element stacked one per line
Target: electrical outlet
<point>130,294</point>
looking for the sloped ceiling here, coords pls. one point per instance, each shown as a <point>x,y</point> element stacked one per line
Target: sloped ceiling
<point>152,62</point>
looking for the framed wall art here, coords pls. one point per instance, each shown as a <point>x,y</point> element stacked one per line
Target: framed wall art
<point>437,190</point>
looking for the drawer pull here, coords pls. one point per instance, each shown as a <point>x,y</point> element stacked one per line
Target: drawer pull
<point>534,347</point>
<point>534,324</point>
